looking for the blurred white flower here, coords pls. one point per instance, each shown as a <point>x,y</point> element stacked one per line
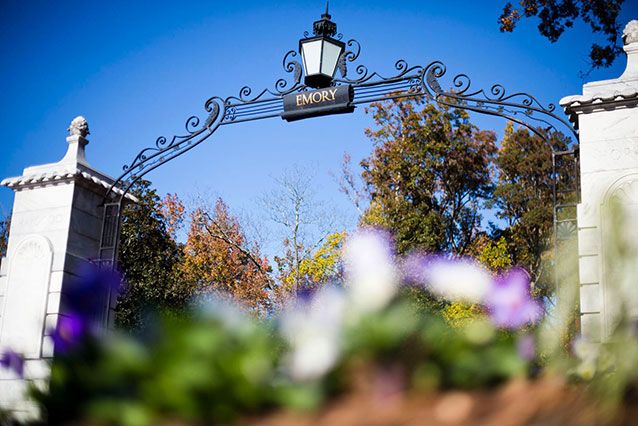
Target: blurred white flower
<point>454,280</point>
<point>371,277</point>
<point>586,370</point>
<point>222,307</point>
<point>585,350</point>
<point>587,354</point>
<point>314,330</point>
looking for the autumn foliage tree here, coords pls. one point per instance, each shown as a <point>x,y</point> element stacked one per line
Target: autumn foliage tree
<point>318,267</point>
<point>324,264</point>
<point>218,258</point>
<point>428,176</point>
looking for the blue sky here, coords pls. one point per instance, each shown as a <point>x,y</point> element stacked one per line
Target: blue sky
<point>138,70</point>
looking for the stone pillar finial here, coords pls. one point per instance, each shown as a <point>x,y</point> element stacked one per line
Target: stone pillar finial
<point>630,41</point>
<point>78,130</point>
<point>79,126</point>
<point>630,33</point>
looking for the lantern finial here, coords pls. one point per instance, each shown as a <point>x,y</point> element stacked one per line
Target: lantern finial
<point>321,52</point>
<point>324,26</point>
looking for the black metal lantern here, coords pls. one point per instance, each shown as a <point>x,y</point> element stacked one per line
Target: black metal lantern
<point>321,53</point>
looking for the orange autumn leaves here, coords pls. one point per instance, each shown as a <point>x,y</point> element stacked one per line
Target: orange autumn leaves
<point>217,257</point>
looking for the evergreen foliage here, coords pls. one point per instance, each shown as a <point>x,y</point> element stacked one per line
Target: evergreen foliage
<point>4,235</point>
<point>147,258</point>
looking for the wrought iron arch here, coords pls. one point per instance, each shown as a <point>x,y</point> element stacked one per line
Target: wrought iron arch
<point>406,82</point>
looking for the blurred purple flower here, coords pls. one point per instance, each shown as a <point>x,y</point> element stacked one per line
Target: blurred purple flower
<point>13,361</point>
<point>413,268</point>
<point>388,383</point>
<point>70,331</point>
<point>87,295</point>
<point>509,302</point>
<point>305,294</point>
<point>526,347</point>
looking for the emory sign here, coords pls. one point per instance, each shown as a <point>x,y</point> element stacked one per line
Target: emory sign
<point>314,103</point>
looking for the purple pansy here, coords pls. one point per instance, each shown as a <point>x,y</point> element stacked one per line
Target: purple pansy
<point>84,301</point>
<point>86,295</point>
<point>13,361</point>
<point>305,294</point>
<point>509,302</point>
<point>526,347</point>
<point>70,331</point>
<point>413,268</point>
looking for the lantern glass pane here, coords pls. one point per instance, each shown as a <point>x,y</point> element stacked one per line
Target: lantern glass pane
<point>311,52</point>
<point>330,54</point>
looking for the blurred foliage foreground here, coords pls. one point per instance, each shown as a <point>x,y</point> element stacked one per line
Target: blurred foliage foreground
<point>358,352</point>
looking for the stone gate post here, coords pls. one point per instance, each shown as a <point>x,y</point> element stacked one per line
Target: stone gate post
<point>55,231</point>
<point>607,117</point>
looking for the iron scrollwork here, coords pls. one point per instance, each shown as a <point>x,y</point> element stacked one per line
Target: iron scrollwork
<point>407,81</point>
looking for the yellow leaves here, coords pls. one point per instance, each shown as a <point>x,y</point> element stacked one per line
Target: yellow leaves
<point>322,264</point>
<point>318,268</point>
<point>373,216</point>
<point>459,314</point>
<point>494,255</point>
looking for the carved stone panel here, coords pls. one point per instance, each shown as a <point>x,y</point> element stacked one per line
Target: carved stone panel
<point>620,250</point>
<point>25,301</point>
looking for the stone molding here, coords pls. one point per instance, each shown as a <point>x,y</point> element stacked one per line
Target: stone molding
<point>610,96</point>
<point>64,175</point>
<point>611,99</point>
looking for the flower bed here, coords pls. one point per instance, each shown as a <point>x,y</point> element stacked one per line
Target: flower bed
<point>369,351</point>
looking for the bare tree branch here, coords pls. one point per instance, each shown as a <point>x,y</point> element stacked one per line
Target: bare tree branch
<point>350,186</point>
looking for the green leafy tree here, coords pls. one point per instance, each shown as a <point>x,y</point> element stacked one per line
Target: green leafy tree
<point>524,200</point>
<point>148,257</point>
<point>428,176</point>
<point>557,15</point>
<point>4,234</point>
